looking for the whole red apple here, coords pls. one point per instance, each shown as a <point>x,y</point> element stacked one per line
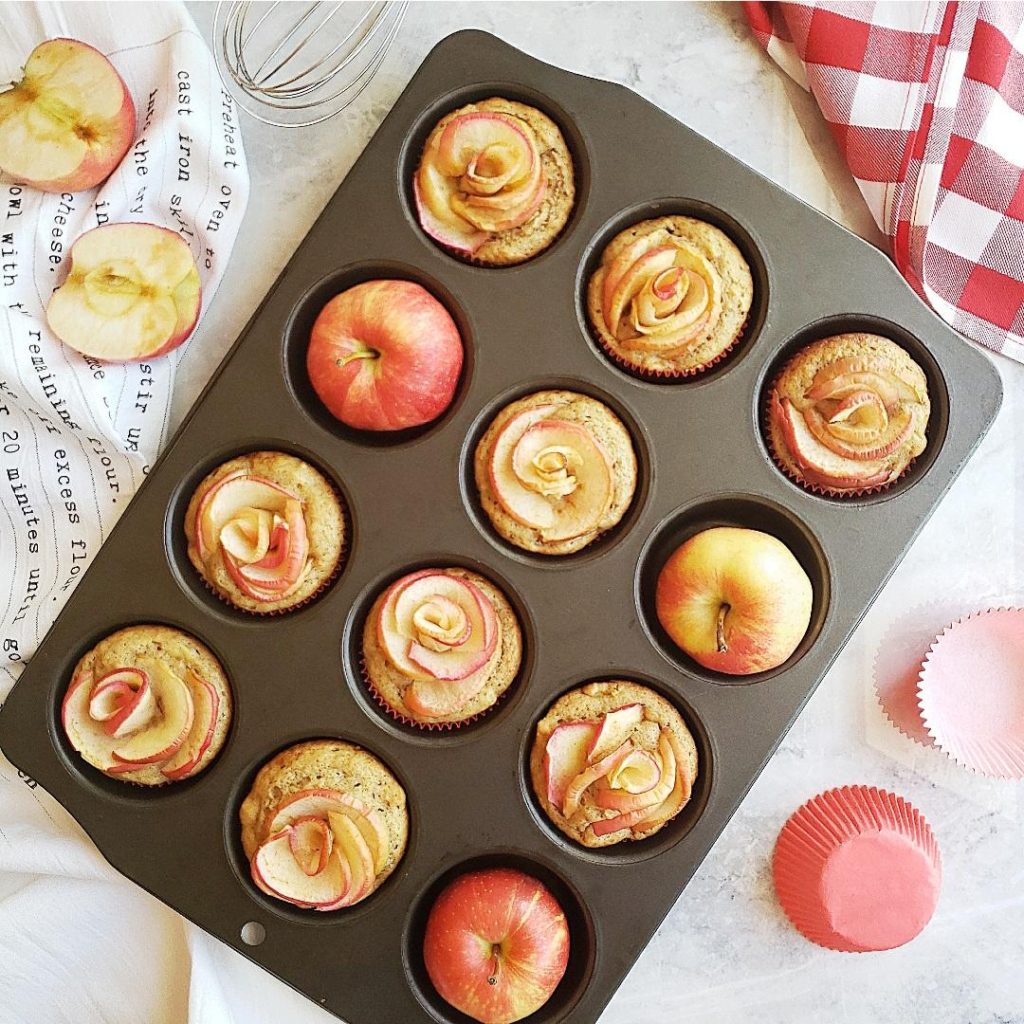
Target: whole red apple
<point>385,355</point>
<point>737,601</point>
<point>496,945</point>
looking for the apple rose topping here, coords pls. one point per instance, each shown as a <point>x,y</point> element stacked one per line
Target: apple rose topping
<point>141,716</point>
<point>480,176</point>
<point>660,295</point>
<point>844,429</point>
<point>626,765</point>
<point>324,850</point>
<point>551,475</point>
<point>440,632</point>
<point>259,530</point>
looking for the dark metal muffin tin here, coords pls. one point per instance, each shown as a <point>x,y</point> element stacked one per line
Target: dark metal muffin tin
<point>412,501</point>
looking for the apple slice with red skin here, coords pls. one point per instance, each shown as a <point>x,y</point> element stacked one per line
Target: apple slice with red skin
<point>532,508</point>
<point>350,844</point>
<point>884,443</point>
<point>123,701</point>
<point>575,790</point>
<point>618,267</point>
<point>650,264</point>
<point>635,807</point>
<point>438,698</point>
<point>227,497</point>
<point>206,702</point>
<point>70,120</point>
<point>844,376</point>
<point>79,727</point>
<point>819,464</point>
<point>674,802</point>
<point>638,773</point>
<point>276,871</point>
<point>132,293</point>
<point>164,738</point>
<point>866,404</point>
<point>432,190</point>
<point>310,840</point>
<point>614,730</point>
<point>283,574</point>
<point>565,756</point>
<point>469,134</point>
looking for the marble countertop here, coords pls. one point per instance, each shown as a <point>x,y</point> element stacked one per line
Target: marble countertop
<point>725,953</point>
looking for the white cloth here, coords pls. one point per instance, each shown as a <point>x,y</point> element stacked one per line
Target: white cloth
<point>77,942</point>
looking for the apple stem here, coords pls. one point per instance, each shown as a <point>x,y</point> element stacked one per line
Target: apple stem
<point>723,610</point>
<point>496,953</point>
<point>362,353</point>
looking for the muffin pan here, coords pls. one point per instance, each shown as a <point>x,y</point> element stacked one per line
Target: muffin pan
<point>411,499</point>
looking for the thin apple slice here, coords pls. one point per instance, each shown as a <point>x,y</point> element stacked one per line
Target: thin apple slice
<point>649,264</point>
<point>529,508</point>
<point>351,845</point>
<point>132,292</point>
<point>371,825</point>
<point>432,192</point>
<point>123,701</point>
<point>877,446</point>
<point>438,698</point>
<point>310,840</point>
<point>575,790</point>
<point>166,735</point>
<point>639,773</point>
<point>565,756</point>
<point>620,264</point>
<point>495,214</point>
<point>276,871</point>
<point>467,135</point>
<point>86,735</point>
<point>247,536</point>
<point>674,802</point>
<point>614,730</point>
<point>441,623</point>
<point>844,376</point>
<point>287,569</point>
<point>206,702</point>
<point>230,496</point>
<point>619,800</point>
<point>865,407</point>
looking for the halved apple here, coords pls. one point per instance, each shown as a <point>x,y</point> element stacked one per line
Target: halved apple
<point>575,790</point>
<point>70,120</point>
<point>565,756</point>
<point>614,730</point>
<point>276,871</point>
<point>132,293</point>
<point>165,736</point>
<point>206,704</point>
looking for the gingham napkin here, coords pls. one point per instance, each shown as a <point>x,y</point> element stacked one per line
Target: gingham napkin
<point>926,102</point>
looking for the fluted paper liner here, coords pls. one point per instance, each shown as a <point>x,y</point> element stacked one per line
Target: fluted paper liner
<point>857,869</point>
<point>971,692</point>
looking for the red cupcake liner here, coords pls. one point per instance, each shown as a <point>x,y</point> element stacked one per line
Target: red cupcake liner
<point>971,692</point>
<point>857,869</point>
<point>798,478</point>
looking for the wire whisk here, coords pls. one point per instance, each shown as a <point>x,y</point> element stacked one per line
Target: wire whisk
<point>285,64</point>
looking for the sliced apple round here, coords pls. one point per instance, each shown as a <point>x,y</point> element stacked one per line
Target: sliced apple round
<point>132,293</point>
<point>206,704</point>
<point>565,756</point>
<point>168,732</point>
<point>70,120</point>
<point>276,871</point>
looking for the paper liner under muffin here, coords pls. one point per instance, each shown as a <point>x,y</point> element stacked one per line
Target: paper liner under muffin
<point>414,723</point>
<point>664,376</point>
<point>857,869</point>
<point>799,478</point>
<point>971,692</point>
<point>327,581</point>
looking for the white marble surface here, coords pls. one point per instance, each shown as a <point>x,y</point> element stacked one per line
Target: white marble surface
<point>725,953</point>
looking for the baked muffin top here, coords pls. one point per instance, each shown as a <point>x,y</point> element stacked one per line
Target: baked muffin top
<point>848,413</point>
<point>612,761</point>
<point>441,646</point>
<point>555,470</point>
<point>266,531</point>
<point>495,182</point>
<point>324,824</point>
<point>149,705</point>
<point>670,297</point>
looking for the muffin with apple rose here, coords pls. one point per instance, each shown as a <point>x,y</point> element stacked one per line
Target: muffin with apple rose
<point>611,762</point>
<point>385,355</point>
<point>440,647</point>
<point>555,470</point>
<point>324,825</point>
<point>148,704</point>
<point>266,532</point>
<point>848,414</point>
<point>670,297</point>
<point>495,182</point>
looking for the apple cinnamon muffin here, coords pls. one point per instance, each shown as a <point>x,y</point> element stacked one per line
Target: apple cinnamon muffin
<point>495,182</point>
<point>266,532</point>
<point>555,470</point>
<point>612,761</point>
<point>148,704</point>
<point>848,414</point>
<point>670,297</point>
<point>440,647</point>
<point>324,824</point>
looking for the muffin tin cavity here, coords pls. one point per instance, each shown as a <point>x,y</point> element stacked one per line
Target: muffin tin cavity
<point>446,733</point>
<point>300,325</point>
<point>628,851</point>
<point>604,542</point>
<point>676,207</point>
<point>239,863</point>
<point>582,942</point>
<point>424,123</point>
<point>938,393</point>
<point>176,543</point>
<point>749,512</point>
<point>98,783</point>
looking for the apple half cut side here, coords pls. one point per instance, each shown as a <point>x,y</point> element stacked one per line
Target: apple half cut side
<point>70,120</point>
<point>132,293</point>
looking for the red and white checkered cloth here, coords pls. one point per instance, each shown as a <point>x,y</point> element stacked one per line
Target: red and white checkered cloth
<point>926,102</point>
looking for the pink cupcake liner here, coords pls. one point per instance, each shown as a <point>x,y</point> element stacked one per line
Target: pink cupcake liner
<point>857,869</point>
<point>971,692</point>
